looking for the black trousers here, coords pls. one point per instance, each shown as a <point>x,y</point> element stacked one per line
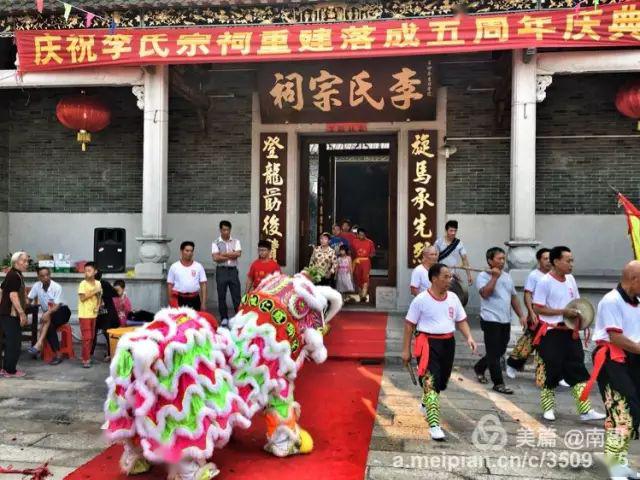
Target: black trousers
<point>191,302</point>
<point>441,354</point>
<point>619,385</point>
<point>59,318</point>
<point>12,342</point>
<point>227,278</point>
<point>496,339</point>
<point>562,357</point>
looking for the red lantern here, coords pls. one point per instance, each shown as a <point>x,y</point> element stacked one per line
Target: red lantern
<point>85,114</point>
<point>628,101</point>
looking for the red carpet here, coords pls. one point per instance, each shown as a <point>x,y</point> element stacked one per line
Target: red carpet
<point>357,335</point>
<point>338,399</point>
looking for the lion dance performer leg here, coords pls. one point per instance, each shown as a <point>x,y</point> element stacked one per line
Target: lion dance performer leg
<point>178,386</point>
<point>616,366</point>
<point>560,349</point>
<point>524,345</point>
<point>435,314</point>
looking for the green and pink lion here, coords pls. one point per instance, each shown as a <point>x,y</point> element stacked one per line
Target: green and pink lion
<point>178,387</point>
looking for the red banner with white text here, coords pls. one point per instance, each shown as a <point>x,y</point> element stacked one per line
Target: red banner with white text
<point>613,25</point>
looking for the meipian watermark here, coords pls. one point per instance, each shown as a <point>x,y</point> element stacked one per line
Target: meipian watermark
<point>573,450</point>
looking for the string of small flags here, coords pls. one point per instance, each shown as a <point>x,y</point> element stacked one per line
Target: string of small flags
<point>88,16</point>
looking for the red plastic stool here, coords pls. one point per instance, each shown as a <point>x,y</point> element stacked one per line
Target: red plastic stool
<point>66,344</point>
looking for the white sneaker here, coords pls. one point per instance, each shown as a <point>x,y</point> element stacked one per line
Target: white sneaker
<point>592,415</point>
<point>622,472</point>
<point>436,433</point>
<point>564,384</point>
<point>549,415</point>
<point>511,372</point>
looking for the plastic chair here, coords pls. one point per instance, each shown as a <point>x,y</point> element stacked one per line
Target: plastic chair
<point>66,344</point>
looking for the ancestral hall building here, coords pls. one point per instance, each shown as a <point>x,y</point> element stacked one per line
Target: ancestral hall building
<point>285,117</point>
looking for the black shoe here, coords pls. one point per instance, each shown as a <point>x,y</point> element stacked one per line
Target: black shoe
<point>56,361</point>
<point>502,388</point>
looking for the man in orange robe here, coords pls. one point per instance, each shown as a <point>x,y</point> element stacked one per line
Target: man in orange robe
<point>363,249</point>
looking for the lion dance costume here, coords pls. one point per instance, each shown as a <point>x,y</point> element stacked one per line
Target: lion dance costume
<point>178,386</point>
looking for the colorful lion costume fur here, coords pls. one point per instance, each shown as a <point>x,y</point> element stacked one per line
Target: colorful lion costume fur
<point>178,386</point>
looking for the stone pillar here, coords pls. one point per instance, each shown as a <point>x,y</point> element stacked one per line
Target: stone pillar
<point>522,243</point>
<point>154,251</point>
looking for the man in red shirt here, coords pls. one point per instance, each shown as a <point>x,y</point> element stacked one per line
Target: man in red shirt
<point>363,249</point>
<point>347,234</point>
<point>261,267</point>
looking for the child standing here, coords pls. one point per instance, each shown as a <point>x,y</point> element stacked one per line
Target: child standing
<point>89,293</point>
<point>344,282</point>
<point>122,302</point>
<point>261,267</point>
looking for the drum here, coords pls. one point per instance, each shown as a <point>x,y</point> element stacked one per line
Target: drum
<point>460,289</point>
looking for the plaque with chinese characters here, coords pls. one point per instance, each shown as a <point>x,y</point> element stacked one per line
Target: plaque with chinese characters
<point>423,179</point>
<point>273,193</point>
<point>381,90</point>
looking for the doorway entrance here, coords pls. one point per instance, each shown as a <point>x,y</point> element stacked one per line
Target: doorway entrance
<point>354,178</point>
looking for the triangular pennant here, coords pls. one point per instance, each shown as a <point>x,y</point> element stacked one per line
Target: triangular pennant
<point>40,5</point>
<point>633,222</point>
<point>112,26</point>
<point>67,10</point>
<point>88,19</point>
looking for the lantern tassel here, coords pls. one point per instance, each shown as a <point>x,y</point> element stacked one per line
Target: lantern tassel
<point>84,137</point>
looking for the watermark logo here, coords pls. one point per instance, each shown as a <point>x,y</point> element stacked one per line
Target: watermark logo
<point>489,434</point>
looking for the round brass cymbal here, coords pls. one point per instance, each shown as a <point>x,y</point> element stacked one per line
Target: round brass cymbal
<point>586,310</point>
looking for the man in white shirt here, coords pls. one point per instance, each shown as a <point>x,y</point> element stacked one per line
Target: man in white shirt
<point>616,366</point>
<point>225,252</point>
<point>451,251</point>
<point>55,313</point>
<point>420,275</point>
<point>187,281</point>
<point>524,346</point>
<point>561,354</point>
<point>497,297</point>
<point>435,314</point>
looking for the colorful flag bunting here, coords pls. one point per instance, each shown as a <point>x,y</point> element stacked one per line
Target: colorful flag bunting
<point>88,19</point>
<point>67,10</point>
<point>633,221</point>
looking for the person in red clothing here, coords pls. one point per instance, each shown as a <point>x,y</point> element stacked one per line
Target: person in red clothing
<point>363,249</point>
<point>347,234</point>
<point>261,267</point>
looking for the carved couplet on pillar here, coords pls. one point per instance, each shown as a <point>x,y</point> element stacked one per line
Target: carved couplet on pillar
<point>273,193</point>
<point>423,173</point>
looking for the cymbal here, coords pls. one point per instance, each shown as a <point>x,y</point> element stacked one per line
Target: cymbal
<point>586,310</point>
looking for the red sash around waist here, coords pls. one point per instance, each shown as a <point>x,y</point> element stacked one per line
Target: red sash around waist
<point>544,326</point>
<point>615,353</point>
<point>173,301</point>
<point>421,348</point>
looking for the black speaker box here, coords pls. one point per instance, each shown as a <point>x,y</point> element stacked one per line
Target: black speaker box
<point>109,249</point>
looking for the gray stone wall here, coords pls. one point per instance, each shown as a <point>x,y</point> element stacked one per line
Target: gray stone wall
<point>209,172</point>
<point>478,173</point>
<point>4,153</point>
<point>583,142</point>
<point>49,171</point>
